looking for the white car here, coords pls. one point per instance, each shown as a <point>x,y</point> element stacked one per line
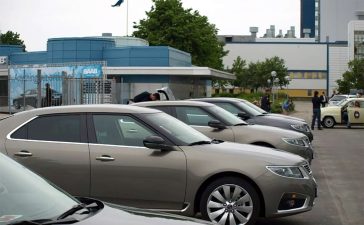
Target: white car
<point>337,98</point>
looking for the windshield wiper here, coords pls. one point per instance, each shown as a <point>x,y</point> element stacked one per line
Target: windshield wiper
<point>216,141</point>
<point>45,222</point>
<point>200,143</point>
<point>240,124</point>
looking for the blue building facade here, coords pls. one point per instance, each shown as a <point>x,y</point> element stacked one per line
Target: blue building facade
<point>134,68</point>
<point>308,17</point>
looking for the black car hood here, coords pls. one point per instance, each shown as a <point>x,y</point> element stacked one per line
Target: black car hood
<point>277,121</point>
<point>114,214</point>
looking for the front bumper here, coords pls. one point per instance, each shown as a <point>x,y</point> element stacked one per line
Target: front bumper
<point>287,196</point>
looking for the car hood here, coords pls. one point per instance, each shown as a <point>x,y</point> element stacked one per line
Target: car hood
<point>331,108</point>
<point>279,121</point>
<point>119,215</point>
<point>285,116</point>
<point>266,131</point>
<point>250,154</point>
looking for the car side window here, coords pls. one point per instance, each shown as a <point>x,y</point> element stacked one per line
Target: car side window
<point>165,109</point>
<point>193,115</point>
<point>229,107</point>
<point>63,128</point>
<point>120,130</point>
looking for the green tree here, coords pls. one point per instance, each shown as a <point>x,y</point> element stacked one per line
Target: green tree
<point>11,38</point>
<point>239,69</point>
<point>168,23</point>
<point>353,78</point>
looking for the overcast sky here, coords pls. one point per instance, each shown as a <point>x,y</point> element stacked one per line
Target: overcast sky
<point>38,20</point>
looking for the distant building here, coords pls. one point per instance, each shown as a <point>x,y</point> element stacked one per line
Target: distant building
<point>129,62</point>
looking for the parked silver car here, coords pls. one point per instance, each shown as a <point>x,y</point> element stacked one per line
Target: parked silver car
<point>251,113</point>
<point>218,123</point>
<point>143,157</point>
<point>27,198</point>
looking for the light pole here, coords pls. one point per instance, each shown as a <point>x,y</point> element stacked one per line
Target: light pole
<point>288,79</point>
<point>274,79</point>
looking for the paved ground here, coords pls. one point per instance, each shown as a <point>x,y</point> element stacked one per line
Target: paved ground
<point>339,171</point>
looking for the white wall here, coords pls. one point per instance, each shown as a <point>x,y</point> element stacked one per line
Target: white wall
<point>337,66</point>
<point>296,56</point>
<point>335,16</point>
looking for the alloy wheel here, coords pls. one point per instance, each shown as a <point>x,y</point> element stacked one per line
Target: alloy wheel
<point>229,204</point>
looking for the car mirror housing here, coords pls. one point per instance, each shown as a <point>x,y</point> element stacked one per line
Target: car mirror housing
<point>216,124</point>
<point>156,142</point>
<point>243,115</point>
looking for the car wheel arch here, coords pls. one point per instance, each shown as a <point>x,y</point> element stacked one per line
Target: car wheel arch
<point>217,176</point>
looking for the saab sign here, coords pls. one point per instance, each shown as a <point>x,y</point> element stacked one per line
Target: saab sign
<point>92,71</point>
<point>3,60</point>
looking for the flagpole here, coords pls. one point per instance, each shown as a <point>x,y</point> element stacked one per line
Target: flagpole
<point>127,18</point>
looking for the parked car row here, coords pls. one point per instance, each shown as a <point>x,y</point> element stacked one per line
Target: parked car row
<point>145,158</point>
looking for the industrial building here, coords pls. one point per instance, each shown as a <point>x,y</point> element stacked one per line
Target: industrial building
<point>130,63</point>
<point>331,34</point>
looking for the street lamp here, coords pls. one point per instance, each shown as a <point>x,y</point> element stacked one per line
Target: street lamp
<point>288,79</point>
<point>274,80</point>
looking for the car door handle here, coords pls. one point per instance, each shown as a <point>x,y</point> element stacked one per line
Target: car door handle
<point>105,158</point>
<point>23,153</point>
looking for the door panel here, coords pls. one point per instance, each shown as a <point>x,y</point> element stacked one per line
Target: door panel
<point>356,113</point>
<point>131,174</point>
<point>51,146</point>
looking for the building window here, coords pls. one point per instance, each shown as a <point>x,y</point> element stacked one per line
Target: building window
<point>308,75</point>
<point>359,44</point>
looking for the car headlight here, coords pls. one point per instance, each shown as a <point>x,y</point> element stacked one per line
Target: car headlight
<point>301,127</point>
<point>295,141</point>
<point>288,171</point>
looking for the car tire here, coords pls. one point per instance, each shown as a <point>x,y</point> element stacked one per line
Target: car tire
<point>230,200</point>
<point>328,122</point>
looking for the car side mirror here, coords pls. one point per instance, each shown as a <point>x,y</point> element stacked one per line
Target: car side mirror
<point>243,115</point>
<point>156,142</point>
<point>216,124</point>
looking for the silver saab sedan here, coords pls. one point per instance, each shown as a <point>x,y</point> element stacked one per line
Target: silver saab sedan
<point>143,157</point>
<point>215,122</point>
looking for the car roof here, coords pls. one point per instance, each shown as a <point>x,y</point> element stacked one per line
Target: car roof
<point>173,103</point>
<point>98,108</point>
<point>219,99</point>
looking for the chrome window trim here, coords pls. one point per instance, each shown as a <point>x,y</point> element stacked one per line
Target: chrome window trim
<point>13,131</point>
<point>111,145</point>
<point>8,136</point>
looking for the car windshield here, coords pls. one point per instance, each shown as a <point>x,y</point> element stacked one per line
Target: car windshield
<point>342,102</point>
<point>229,118</point>
<point>251,108</point>
<point>171,126</point>
<point>26,196</point>
<point>251,105</point>
<point>338,98</point>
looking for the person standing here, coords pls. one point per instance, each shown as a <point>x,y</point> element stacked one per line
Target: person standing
<point>48,95</point>
<point>323,99</point>
<point>316,108</point>
<point>265,102</point>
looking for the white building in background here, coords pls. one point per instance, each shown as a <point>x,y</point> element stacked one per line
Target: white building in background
<point>334,17</point>
<point>332,34</point>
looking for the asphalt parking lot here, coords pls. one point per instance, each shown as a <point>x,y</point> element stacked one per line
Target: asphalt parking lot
<point>339,171</point>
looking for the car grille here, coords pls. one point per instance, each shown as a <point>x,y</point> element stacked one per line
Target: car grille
<point>307,168</point>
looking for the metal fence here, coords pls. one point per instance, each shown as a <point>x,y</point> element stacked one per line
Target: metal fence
<point>36,92</point>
